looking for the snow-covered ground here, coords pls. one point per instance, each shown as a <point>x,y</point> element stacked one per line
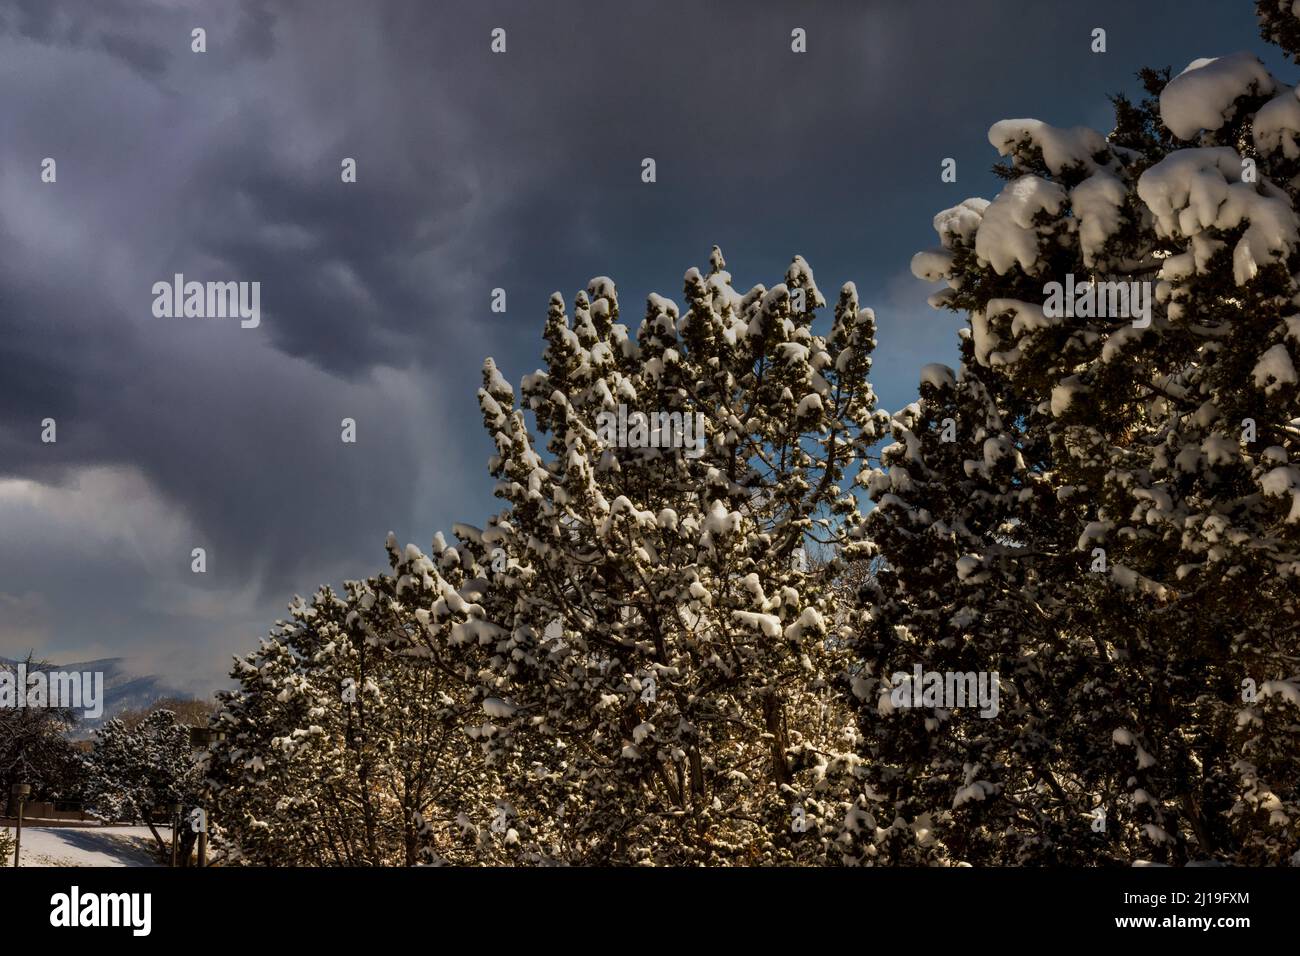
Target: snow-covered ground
<point>88,846</point>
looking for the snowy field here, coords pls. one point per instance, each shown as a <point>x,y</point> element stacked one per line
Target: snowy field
<point>90,846</point>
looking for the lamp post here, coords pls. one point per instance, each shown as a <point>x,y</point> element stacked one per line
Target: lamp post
<point>20,792</point>
<point>202,738</point>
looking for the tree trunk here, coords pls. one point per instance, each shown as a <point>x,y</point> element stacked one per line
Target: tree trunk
<point>774,719</point>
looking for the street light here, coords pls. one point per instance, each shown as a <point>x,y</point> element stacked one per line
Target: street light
<point>20,792</point>
<point>202,738</point>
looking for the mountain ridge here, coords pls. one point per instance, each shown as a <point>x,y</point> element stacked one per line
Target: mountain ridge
<point>124,688</point>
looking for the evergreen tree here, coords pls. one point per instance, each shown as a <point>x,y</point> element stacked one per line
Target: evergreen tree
<point>138,775</point>
<point>341,747</point>
<point>1115,531</point>
<point>653,644</point>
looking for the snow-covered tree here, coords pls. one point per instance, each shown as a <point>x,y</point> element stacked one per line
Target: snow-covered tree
<point>1116,527</point>
<point>961,523</point>
<point>35,748</point>
<point>648,634</point>
<point>342,747</point>
<point>138,775</point>
<point>1280,24</point>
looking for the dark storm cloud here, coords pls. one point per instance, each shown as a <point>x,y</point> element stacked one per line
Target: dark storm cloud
<point>147,58</point>
<point>233,434</point>
<point>475,171</point>
<point>139,33</point>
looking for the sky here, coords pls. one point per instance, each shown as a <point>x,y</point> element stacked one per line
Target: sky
<point>475,171</point>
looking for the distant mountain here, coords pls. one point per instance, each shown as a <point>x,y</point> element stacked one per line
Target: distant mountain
<point>123,688</point>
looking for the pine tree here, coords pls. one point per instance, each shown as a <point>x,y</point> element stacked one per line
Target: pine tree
<point>139,775</point>
<point>650,640</point>
<point>341,746</point>
<point>1122,495</point>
